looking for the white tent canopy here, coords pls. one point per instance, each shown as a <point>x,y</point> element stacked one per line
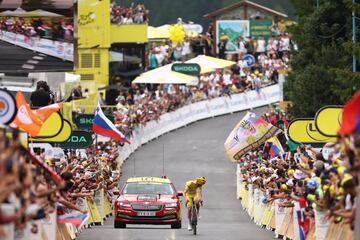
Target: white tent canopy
<point>7,13</point>
<point>165,68</point>
<point>41,13</point>
<point>119,57</point>
<point>166,77</point>
<point>19,12</point>
<point>69,77</point>
<point>211,62</point>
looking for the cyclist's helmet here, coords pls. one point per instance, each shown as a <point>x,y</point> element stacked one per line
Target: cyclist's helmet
<point>201,180</point>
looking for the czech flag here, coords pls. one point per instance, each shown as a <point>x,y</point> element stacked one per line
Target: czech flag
<point>76,218</point>
<point>104,127</point>
<point>276,149</point>
<point>303,220</point>
<point>351,116</point>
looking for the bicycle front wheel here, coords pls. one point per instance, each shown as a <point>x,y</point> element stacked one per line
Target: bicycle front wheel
<point>194,228</point>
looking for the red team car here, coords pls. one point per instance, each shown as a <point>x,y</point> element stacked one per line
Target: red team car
<point>148,200</point>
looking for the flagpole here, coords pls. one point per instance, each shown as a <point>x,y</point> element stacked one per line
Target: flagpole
<point>163,148</point>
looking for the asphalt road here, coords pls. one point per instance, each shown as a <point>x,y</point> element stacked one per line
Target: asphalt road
<point>18,59</point>
<point>189,152</point>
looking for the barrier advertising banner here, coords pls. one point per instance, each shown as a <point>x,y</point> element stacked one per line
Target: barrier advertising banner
<point>57,49</point>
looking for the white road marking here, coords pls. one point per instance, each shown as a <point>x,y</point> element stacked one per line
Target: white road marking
<point>28,66</point>
<point>33,62</point>
<point>38,58</point>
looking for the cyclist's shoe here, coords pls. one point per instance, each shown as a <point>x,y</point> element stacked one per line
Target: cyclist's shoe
<point>189,227</point>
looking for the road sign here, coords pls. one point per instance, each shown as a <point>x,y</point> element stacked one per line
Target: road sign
<point>77,140</point>
<point>250,59</point>
<point>8,107</point>
<point>192,69</point>
<point>85,121</point>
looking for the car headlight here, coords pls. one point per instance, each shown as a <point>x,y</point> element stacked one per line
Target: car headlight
<point>171,205</point>
<point>123,204</point>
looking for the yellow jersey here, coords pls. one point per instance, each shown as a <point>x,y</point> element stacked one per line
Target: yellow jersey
<point>191,187</point>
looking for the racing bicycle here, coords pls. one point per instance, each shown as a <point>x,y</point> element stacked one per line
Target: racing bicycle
<point>194,217</point>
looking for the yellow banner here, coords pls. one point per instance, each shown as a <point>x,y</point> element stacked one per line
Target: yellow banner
<point>94,212</point>
<point>107,206</point>
<point>328,120</point>
<point>303,130</point>
<point>61,137</point>
<point>52,126</point>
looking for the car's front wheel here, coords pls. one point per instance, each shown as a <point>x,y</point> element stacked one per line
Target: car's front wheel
<point>176,225</point>
<point>119,225</point>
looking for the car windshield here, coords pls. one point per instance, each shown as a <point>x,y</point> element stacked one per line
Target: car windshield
<point>148,188</point>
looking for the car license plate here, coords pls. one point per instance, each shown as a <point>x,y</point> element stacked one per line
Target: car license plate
<point>146,214</point>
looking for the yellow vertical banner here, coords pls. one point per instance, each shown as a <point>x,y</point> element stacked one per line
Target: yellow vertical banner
<point>94,212</point>
<point>99,201</point>
<point>107,207</point>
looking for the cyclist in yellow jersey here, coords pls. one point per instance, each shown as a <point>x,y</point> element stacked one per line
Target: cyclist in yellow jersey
<point>193,192</point>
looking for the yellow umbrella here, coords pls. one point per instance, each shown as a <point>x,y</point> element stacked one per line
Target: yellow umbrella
<point>207,62</point>
<point>166,77</point>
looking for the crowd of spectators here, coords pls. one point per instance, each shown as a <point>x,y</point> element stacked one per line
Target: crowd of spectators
<point>134,14</point>
<point>270,57</point>
<point>36,189</point>
<point>61,30</point>
<point>325,179</point>
<point>143,103</point>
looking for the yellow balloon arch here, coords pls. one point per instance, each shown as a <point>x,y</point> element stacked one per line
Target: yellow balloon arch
<point>177,33</point>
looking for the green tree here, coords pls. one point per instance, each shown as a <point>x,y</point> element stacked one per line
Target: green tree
<point>321,69</point>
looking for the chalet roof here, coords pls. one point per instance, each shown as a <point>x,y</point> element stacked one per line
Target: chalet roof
<point>241,4</point>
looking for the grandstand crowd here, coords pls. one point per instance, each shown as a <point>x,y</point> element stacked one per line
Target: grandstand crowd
<point>134,14</point>
<point>59,30</point>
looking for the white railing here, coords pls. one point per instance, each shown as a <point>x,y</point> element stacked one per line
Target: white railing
<point>62,50</point>
<point>198,111</point>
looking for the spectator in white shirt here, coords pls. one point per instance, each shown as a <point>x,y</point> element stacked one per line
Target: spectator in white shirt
<point>164,48</point>
<point>214,92</point>
<point>260,46</point>
<point>159,56</point>
<point>137,97</point>
<point>227,78</point>
<point>284,44</point>
<point>242,47</point>
<point>186,50</point>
